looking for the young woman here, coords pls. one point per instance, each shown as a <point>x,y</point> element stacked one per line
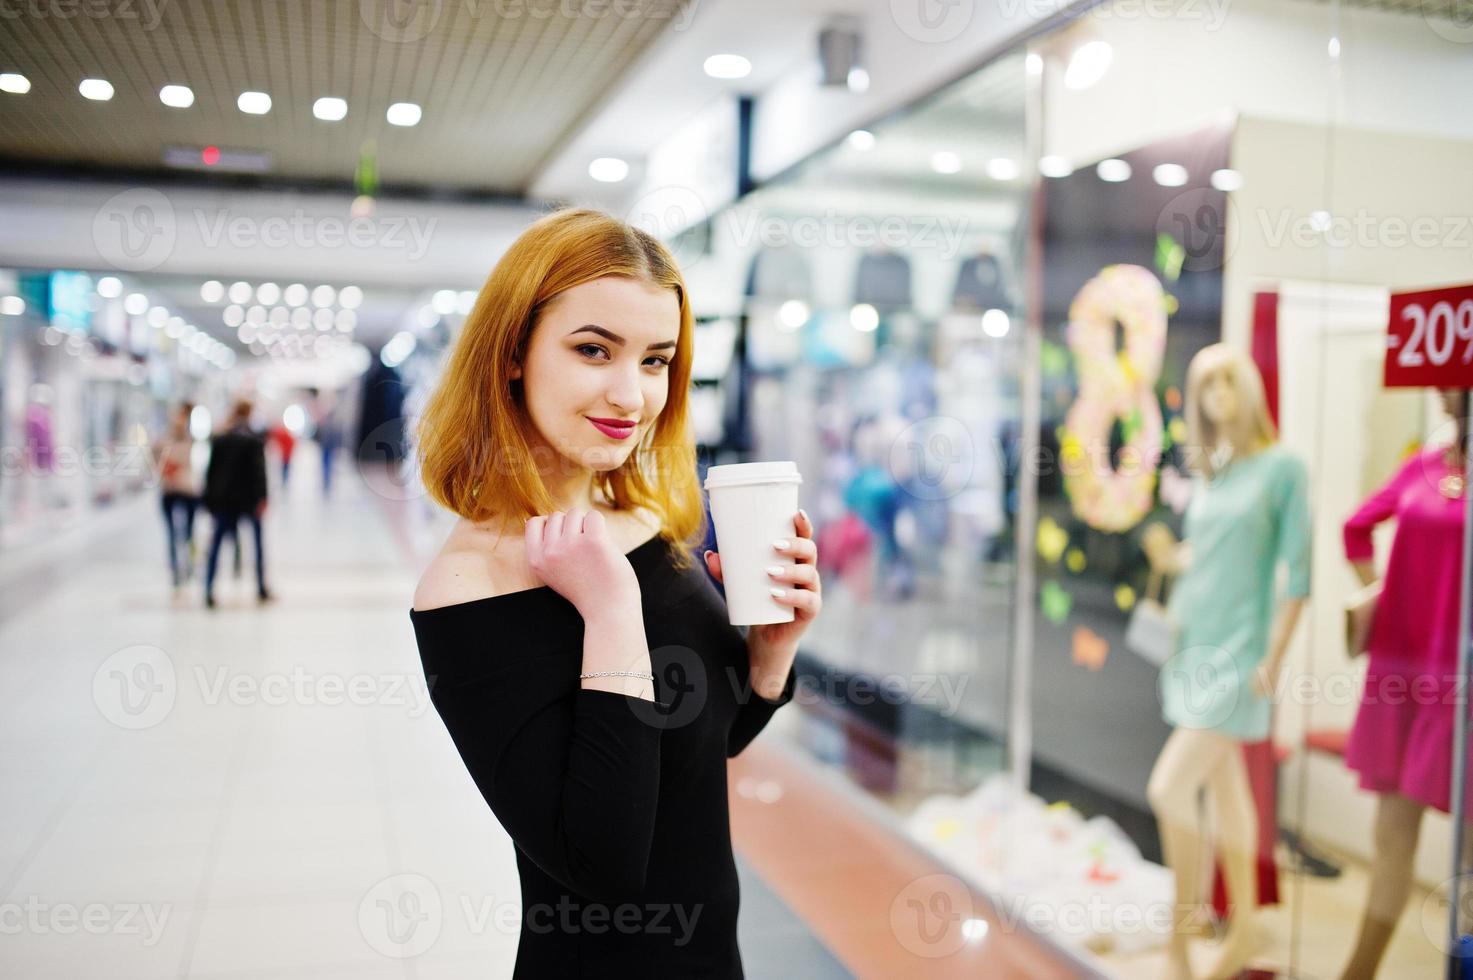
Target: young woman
<point>1402,741</point>
<point>584,668</point>
<point>179,489</point>
<point>1249,513</point>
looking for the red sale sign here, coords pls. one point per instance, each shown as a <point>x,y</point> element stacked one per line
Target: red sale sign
<point>1429,341</point>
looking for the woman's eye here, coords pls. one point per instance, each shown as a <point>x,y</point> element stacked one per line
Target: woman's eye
<point>583,348</point>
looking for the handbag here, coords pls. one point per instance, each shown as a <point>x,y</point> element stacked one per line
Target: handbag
<point>1152,631</point>
<point>1360,613</point>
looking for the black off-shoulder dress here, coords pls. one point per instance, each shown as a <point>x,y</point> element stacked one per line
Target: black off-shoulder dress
<point>617,805</point>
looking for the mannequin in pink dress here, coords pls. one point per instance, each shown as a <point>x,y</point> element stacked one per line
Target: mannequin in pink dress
<point>1402,742</point>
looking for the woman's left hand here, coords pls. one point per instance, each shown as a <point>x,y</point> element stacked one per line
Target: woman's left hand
<point>801,589</point>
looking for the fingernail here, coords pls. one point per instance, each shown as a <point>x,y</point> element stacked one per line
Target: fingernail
<point>780,544</point>
<point>707,553</point>
<point>805,515</point>
<point>778,593</point>
<point>774,569</point>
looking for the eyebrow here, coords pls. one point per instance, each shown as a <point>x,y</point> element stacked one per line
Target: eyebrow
<point>609,334</point>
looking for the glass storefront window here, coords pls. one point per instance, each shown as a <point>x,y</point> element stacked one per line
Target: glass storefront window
<point>1162,641</point>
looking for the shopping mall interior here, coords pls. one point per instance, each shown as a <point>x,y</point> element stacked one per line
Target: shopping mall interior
<point>1122,346</point>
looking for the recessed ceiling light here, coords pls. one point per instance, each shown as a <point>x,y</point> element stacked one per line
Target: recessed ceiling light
<point>1033,63</point>
<point>728,66</point>
<point>109,287</point>
<point>1227,180</point>
<point>995,323</point>
<point>608,170</point>
<point>241,292</point>
<point>1170,174</point>
<point>1113,170</point>
<point>864,317</point>
<point>96,89</point>
<point>1054,166</point>
<point>1088,65</point>
<point>330,108</point>
<point>295,294</point>
<point>211,291</point>
<point>349,297</point>
<point>443,301</point>
<point>861,139</point>
<point>176,96</point>
<point>254,103</point>
<point>324,296</point>
<point>946,162</point>
<point>14,83</point>
<point>268,293</point>
<point>403,114</point>
<point>136,304</point>
<point>857,79</point>
<point>1001,168</point>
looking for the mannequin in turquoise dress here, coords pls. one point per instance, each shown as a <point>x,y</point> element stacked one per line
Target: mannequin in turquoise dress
<point>1248,515</point>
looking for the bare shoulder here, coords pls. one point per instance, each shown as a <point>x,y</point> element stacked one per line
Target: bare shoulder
<point>472,564</point>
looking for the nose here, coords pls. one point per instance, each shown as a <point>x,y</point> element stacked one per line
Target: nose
<point>626,394</point>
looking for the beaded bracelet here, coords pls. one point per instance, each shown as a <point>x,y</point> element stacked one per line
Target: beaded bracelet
<point>618,673</point>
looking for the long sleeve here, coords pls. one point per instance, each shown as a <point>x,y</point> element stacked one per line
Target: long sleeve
<point>573,775</point>
<point>1377,508</point>
<point>755,712</point>
<point>257,459</point>
<point>1294,529</point>
<point>211,491</point>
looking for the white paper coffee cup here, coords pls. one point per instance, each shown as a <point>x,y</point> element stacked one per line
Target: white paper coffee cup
<point>752,505</point>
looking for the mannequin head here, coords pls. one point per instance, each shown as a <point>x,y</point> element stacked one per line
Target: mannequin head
<point>1226,409</point>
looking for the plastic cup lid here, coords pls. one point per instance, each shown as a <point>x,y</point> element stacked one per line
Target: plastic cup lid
<point>741,474</point>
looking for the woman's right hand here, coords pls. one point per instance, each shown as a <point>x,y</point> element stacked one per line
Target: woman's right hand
<point>574,555</point>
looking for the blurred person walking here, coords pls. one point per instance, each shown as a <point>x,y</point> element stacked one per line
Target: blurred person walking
<point>179,487</point>
<point>235,489</point>
<point>285,442</point>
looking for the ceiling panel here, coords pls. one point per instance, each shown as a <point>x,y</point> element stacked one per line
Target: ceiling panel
<point>502,82</point>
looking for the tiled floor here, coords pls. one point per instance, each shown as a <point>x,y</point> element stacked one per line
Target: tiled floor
<point>253,792</point>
